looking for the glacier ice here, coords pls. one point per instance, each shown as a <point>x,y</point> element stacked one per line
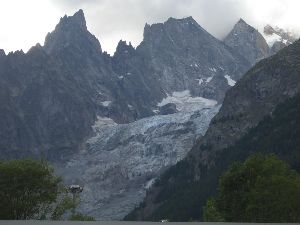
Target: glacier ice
<point>121,161</point>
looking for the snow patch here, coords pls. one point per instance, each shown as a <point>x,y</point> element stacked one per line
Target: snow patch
<point>102,121</point>
<point>213,69</point>
<point>200,81</point>
<point>156,111</point>
<point>230,81</point>
<point>106,103</point>
<point>209,79</point>
<point>194,65</point>
<point>185,102</point>
<point>150,183</point>
<point>271,39</point>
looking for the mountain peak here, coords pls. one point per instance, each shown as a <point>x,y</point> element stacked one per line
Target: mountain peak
<point>123,45</point>
<point>242,25</point>
<point>185,19</point>
<point>71,30</point>
<point>242,21</point>
<point>2,53</point>
<point>246,40</point>
<point>37,47</point>
<point>78,19</point>
<point>174,26</point>
<point>124,49</point>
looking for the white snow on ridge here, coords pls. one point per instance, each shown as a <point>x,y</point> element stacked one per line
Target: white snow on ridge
<point>230,81</point>
<point>194,65</point>
<point>271,39</point>
<point>213,69</point>
<point>150,183</point>
<point>106,103</point>
<point>156,111</point>
<point>185,102</point>
<point>200,81</point>
<point>209,79</point>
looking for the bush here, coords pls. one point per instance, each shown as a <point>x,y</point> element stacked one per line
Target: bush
<point>262,189</point>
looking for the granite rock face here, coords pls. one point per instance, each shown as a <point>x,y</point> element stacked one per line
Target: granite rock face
<point>183,56</point>
<point>248,42</point>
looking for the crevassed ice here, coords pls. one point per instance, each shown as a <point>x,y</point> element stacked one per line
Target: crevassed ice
<point>123,160</point>
<point>185,102</point>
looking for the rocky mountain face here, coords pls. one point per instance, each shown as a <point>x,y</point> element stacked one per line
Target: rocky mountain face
<point>248,42</point>
<point>183,189</point>
<point>183,56</point>
<point>115,123</point>
<point>43,110</point>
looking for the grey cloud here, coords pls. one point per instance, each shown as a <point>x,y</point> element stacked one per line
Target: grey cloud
<point>112,20</point>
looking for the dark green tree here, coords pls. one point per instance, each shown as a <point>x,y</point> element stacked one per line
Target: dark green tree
<point>262,189</point>
<point>210,212</point>
<point>30,190</point>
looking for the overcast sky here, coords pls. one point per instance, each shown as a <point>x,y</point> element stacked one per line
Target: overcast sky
<point>23,23</point>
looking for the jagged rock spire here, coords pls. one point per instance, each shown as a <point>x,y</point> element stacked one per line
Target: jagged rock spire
<point>71,30</point>
<point>2,53</point>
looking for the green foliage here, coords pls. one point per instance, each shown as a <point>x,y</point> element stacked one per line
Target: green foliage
<point>211,214</point>
<point>28,188</point>
<point>263,189</point>
<point>63,204</point>
<point>81,217</point>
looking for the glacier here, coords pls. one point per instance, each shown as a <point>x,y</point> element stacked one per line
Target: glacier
<point>121,161</point>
